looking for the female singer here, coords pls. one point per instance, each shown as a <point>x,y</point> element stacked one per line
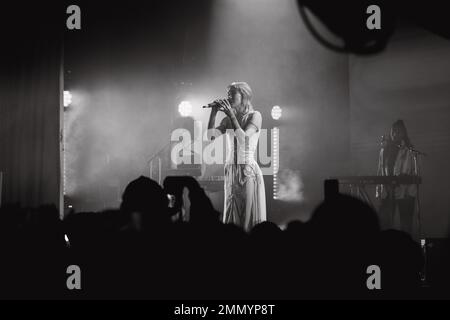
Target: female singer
<point>245,202</point>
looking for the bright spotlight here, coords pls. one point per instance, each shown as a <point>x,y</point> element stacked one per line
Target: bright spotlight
<point>185,109</point>
<point>67,98</point>
<point>276,112</point>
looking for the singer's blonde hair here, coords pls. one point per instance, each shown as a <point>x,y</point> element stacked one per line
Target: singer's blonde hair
<point>246,93</point>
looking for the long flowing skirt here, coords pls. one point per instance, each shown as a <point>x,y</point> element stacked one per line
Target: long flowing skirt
<point>245,199</point>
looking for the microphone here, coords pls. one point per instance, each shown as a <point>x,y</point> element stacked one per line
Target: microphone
<point>215,104</point>
<point>384,141</point>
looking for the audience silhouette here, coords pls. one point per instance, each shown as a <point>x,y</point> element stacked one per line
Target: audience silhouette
<point>147,250</point>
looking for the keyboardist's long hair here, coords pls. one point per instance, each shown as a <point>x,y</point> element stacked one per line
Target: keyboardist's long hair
<point>400,126</point>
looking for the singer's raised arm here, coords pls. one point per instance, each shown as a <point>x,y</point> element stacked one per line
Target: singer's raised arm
<point>253,126</point>
<point>213,132</point>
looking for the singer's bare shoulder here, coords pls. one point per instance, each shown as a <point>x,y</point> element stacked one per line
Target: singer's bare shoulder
<point>256,119</point>
<point>256,114</point>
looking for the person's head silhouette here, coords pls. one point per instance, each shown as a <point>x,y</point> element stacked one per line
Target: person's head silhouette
<point>145,203</point>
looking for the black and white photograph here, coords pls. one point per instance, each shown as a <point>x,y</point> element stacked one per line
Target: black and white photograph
<point>255,151</point>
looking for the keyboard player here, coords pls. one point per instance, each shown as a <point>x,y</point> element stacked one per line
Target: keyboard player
<point>397,158</point>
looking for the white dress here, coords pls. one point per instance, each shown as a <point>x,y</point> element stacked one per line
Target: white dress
<point>245,199</point>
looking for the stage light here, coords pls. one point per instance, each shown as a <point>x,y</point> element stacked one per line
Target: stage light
<point>185,109</point>
<point>67,98</point>
<point>276,112</point>
<point>275,186</point>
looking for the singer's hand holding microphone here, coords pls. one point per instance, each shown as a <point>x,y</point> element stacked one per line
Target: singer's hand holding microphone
<point>216,104</point>
<point>223,105</point>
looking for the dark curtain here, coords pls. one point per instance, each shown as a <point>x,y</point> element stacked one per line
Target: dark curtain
<point>30,96</point>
